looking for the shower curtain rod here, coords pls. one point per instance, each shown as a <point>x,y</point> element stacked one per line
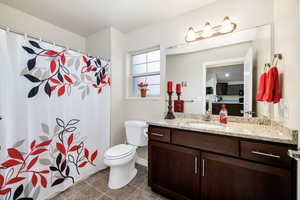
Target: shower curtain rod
<point>6,28</point>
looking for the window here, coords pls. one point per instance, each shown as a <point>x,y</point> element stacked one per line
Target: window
<point>145,67</point>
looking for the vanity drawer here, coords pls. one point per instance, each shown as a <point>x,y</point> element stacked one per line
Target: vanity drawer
<point>206,142</point>
<point>266,153</point>
<point>159,134</point>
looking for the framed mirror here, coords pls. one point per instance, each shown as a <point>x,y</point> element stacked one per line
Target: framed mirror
<point>222,70</point>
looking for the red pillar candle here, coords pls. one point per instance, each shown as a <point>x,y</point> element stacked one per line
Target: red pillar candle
<point>178,88</point>
<point>170,86</point>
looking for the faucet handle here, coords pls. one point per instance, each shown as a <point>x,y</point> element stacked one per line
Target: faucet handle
<point>249,112</point>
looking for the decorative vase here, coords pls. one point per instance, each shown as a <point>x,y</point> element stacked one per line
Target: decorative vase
<point>143,93</point>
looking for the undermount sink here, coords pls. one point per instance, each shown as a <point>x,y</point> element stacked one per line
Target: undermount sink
<point>205,125</point>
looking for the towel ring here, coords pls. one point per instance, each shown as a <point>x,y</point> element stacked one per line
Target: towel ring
<point>276,58</point>
<point>267,67</point>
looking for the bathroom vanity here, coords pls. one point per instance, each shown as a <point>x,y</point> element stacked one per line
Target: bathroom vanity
<point>208,161</point>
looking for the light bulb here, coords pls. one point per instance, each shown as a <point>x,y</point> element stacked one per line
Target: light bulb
<point>207,31</point>
<point>227,26</point>
<point>191,35</point>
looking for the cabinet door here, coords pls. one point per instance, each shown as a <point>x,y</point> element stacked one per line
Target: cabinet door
<point>225,178</point>
<point>174,171</point>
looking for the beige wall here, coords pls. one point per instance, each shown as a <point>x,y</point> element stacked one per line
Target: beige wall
<point>287,40</point>
<point>20,21</point>
<point>110,43</point>
<point>99,44</point>
<point>117,89</point>
<point>172,32</point>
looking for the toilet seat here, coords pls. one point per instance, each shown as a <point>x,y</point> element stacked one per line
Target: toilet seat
<point>119,151</point>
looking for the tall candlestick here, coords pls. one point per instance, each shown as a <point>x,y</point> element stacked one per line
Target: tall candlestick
<point>170,114</point>
<point>170,86</point>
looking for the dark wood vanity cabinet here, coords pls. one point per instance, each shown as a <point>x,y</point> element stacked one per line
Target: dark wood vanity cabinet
<point>226,178</point>
<point>202,166</point>
<point>174,170</point>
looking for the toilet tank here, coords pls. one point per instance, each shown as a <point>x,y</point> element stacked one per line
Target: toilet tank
<point>135,133</point>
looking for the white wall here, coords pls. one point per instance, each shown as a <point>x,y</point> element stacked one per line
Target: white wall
<point>117,115</point>
<point>246,14</point>
<point>99,44</point>
<point>20,21</point>
<point>110,43</point>
<point>287,40</point>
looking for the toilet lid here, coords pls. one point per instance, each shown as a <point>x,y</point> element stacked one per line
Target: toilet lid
<point>120,150</point>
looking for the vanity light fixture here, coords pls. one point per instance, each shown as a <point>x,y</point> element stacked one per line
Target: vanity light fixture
<point>209,31</point>
<point>227,75</point>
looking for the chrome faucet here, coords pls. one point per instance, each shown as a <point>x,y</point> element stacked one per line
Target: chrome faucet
<point>208,114</point>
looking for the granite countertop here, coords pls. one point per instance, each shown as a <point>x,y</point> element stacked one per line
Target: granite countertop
<point>269,133</point>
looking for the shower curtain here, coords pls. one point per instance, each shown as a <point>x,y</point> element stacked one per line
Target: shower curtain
<point>55,105</point>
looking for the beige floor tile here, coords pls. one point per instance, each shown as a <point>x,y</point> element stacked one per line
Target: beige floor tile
<point>96,188</point>
<point>140,194</point>
<point>142,152</point>
<point>59,197</point>
<point>104,197</point>
<point>121,194</point>
<point>139,180</point>
<point>99,181</point>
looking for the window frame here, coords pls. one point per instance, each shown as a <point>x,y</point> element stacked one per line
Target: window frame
<point>131,75</point>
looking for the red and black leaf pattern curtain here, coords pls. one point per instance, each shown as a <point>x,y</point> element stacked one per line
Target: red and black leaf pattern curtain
<point>55,105</point>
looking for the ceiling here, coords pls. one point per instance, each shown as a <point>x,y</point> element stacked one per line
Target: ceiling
<point>235,72</point>
<point>88,17</point>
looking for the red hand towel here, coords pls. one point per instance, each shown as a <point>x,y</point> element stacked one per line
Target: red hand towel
<point>272,93</point>
<point>277,89</point>
<point>262,87</point>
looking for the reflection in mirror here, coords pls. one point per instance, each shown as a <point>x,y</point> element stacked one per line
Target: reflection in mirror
<point>225,85</point>
<point>222,70</point>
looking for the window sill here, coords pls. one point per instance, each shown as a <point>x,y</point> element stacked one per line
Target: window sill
<point>143,99</point>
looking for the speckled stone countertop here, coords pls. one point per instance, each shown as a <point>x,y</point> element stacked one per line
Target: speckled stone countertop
<point>271,133</point>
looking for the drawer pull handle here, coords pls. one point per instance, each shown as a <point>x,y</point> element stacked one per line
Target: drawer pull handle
<point>196,165</point>
<point>157,134</point>
<point>265,154</point>
<point>203,167</point>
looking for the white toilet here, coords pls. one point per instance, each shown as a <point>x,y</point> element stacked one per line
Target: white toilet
<point>121,158</point>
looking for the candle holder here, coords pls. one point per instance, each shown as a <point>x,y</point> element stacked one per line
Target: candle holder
<point>170,114</point>
<point>178,104</point>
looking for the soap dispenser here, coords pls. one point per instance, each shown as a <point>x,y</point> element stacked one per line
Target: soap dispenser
<point>223,114</point>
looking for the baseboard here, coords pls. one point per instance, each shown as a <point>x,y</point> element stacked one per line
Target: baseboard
<point>142,161</point>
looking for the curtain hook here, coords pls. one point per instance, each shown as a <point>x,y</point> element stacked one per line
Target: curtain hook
<point>40,39</point>
<point>7,29</point>
<point>53,43</point>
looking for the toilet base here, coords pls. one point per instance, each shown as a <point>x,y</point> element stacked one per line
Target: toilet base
<point>120,176</point>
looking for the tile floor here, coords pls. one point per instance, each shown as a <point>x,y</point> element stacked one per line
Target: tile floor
<point>142,152</point>
<point>95,188</point>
